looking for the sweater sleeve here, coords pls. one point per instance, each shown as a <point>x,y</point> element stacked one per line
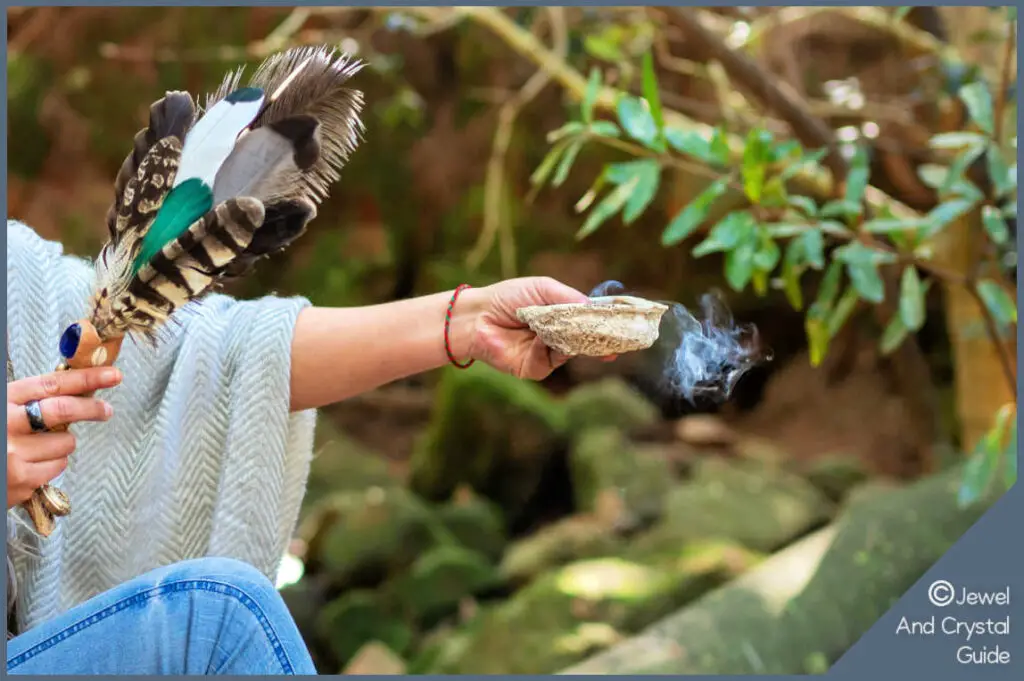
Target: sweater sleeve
<point>202,456</point>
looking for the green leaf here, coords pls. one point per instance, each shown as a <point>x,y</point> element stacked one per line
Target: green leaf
<point>587,199</point>
<point>720,147</point>
<point>862,267</point>
<point>692,144</point>
<point>817,339</point>
<point>617,173</point>
<point>893,336</point>
<point>841,312</point>
<point>604,46</point>
<point>813,244</point>
<point>768,254</point>
<point>957,140</point>
<point>978,474</point>
<point>547,164</point>
<point>565,165</point>
<point>995,226</point>
<point>857,178</point>
<point>590,95</point>
<point>637,121</point>
<point>690,218</point>
<point>785,230</point>
<point>945,213</point>
<point>791,272</point>
<point>739,264</point>
<point>803,204</point>
<point>650,90</point>
<point>808,159</point>
<point>609,206</point>
<point>649,177</point>
<point>933,175</point>
<point>999,172</point>
<point>568,130</point>
<point>978,100</point>
<point>911,299</point>
<point>890,225</point>
<point>605,129</point>
<point>774,193</point>
<point>828,290</point>
<point>835,229</point>
<point>1010,456</point>
<point>755,165</point>
<point>839,209</point>
<point>900,13</point>
<point>999,303</point>
<point>734,229</point>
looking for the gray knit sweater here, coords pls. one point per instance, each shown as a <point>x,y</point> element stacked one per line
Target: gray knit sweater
<point>202,456</point>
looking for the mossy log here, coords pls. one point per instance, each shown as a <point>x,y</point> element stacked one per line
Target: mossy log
<point>801,609</point>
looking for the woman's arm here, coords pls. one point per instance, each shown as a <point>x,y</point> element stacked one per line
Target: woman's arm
<point>341,352</point>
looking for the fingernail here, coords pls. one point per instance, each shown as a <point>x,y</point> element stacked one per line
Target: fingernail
<point>111,375</point>
<point>108,411</point>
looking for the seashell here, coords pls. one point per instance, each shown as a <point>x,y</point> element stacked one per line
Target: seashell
<point>607,325</point>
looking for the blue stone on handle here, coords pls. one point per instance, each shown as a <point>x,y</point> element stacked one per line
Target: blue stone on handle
<point>69,341</point>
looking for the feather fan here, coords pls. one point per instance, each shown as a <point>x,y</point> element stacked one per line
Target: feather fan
<point>202,198</point>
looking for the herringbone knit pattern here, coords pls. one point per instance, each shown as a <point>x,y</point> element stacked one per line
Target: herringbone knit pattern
<point>201,457</point>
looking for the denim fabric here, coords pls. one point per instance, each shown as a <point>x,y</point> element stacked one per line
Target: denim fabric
<point>207,616</point>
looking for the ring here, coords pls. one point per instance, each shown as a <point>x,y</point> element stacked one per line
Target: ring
<point>35,416</point>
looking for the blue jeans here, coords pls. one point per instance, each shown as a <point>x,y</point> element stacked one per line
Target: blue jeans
<point>205,616</point>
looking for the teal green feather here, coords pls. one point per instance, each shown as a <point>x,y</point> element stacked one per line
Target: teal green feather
<point>184,204</point>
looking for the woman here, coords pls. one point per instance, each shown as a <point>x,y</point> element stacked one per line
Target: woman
<point>208,448</point>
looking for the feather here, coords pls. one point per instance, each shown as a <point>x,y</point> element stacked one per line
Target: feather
<point>182,271</point>
<point>213,137</point>
<point>169,116</point>
<point>268,159</point>
<point>241,183</point>
<point>310,81</point>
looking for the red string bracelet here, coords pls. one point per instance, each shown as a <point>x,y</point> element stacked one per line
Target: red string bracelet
<point>447,329</point>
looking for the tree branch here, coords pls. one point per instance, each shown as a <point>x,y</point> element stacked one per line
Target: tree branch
<point>817,181</point>
<point>775,95</point>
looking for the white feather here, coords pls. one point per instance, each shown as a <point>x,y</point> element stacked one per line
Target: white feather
<point>212,138</point>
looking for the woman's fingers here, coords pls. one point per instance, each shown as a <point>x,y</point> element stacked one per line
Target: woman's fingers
<point>25,476</point>
<point>73,382</point>
<point>32,449</point>
<point>58,411</point>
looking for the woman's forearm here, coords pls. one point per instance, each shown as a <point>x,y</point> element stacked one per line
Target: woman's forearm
<point>341,352</point>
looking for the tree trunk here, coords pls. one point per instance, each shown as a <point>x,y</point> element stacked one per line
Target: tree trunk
<point>805,606</point>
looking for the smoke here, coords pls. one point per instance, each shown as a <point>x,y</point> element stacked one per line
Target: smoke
<point>608,288</point>
<point>699,355</point>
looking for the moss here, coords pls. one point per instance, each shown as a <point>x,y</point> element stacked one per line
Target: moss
<point>608,402</point>
<point>570,612</point>
<point>476,523</point>
<point>569,539</point>
<point>354,619</point>
<point>361,536</point>
<point>442,577</point>
<point>756,505</point>
<point>605,463</point>
<point>489,431</point>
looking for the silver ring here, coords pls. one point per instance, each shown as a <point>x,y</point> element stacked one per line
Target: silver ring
<point>35,416</point>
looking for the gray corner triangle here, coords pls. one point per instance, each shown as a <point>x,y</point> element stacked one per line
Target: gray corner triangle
<point>976,637</point>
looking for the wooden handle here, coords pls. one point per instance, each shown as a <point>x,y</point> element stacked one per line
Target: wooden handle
<point>81,347</point>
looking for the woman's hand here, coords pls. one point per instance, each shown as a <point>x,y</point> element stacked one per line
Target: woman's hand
<point>500,339</point>
<point>35,458</point>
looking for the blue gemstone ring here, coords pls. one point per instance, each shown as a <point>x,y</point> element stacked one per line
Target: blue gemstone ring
<point>35,416</point>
